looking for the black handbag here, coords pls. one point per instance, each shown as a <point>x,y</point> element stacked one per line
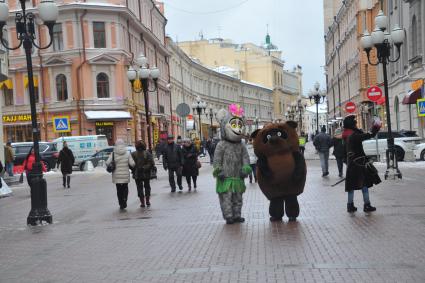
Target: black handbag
<point>111,167</point>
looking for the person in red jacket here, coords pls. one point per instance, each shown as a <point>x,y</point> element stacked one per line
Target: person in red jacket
<point>28,165</point>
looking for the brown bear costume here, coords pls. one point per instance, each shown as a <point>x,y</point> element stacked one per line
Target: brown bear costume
<point>281,168</point>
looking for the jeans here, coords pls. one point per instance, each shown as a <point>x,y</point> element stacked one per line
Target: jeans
<point>340,163</point>
<point>253,167</point>
<point>178,172</point>
<point>122,194</point>
<point>365,192</point>
<point>324,161</point>
<point>9,168</point>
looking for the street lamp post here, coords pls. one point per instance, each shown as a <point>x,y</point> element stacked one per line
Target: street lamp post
<point>199,106</point>
<point>318,98</point>
<point>26,35</point>
<point>139,78</point>
<point>211,115</point>
<point>383,41</point>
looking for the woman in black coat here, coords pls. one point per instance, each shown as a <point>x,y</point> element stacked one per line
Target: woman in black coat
<point>190,168</point>
<point>339,151</point>
<point>361,174</point>
<point>66,160</point>
<point>142,172</point>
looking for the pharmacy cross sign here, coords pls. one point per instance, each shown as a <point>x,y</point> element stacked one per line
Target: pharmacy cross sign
<point>61,124</point>
<point>374,93</point>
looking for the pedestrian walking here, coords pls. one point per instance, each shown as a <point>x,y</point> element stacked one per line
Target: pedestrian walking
<point>212,143</point>
<point>339,151</point>
<point>323,142</point>
<point>172,160</point>
<point>252,160</point>
<point>142,172</point>
<point>361,174</point>
<point>9,157</point>
<point>65,161</point>
<point>121,175</point>
<point>190,163</point>
<point>302,142</point>
<point>28,166</point>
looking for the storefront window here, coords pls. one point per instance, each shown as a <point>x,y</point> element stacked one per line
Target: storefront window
<point>18,133</point>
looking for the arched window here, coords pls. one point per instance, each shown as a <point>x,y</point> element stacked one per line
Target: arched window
<point>102,83</point>
<point>61,87</point>
<point>397,113</point>
<point>414,37</point>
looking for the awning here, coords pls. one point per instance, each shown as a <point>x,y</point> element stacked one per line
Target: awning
<point>35,78</point>
<point>7,83</point>
<point>107,115</point>
<point>412,96</point>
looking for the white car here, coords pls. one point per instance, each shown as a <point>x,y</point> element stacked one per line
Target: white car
<point>403,141</point>
<point>420,151</point>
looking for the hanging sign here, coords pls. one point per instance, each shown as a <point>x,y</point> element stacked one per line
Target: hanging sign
<point>420,103</point>
<point>374,93</point>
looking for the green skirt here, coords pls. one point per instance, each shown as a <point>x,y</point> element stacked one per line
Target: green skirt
<point>234,185</point>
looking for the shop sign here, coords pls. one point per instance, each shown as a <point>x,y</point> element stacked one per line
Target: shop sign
<point>16,118</point>
<point>417,84</point>
<point>420,103</point>
<point>155,136</point>
<point>104,124</point>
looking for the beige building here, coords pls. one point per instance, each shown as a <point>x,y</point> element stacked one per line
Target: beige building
<point>262,65</point>
<point>190,79</point>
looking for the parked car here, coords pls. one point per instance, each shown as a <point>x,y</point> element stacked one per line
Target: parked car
<point>83,146</point>
<point>420,151</point>
<point>404,141</point>
<point>48,153</point>
<point>101,155</point>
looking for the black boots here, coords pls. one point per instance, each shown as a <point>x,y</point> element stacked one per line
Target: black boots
<point>64,181</point>
<point>368,208</point>
<point>148,203</point>
<point>351,208</point>
<point>142,202</point>
<point>68,181</point>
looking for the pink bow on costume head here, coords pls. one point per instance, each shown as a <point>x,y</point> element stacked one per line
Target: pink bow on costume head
<point>236,110</point>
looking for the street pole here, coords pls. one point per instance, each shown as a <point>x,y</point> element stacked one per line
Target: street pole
<point>145,87</point>
<point>317,116</point>
<point>200,125</point>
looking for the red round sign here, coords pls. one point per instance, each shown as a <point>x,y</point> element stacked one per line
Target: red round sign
<point>350,107</point>
<point>374,93</point>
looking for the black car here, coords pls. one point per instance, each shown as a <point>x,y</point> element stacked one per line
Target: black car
<point>101,155</point>
<point>48,153</point>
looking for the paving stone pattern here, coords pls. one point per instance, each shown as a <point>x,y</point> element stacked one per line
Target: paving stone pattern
<point>183,238</point>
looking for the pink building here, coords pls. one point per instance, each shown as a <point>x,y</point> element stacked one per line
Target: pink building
<point>83,74</point>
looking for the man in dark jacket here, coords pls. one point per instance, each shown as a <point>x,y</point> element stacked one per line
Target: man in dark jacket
<point>323,142</point>
<point>172,160</point>
<point>339,151</point>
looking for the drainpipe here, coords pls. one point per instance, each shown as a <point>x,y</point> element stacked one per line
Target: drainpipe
<point>167,59</point>
<point>80,90</point>
<point>43,90</point>
<point>135,110</point>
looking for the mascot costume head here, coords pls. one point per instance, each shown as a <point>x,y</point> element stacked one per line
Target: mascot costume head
<point>281,168</point>
<point>232,124</point>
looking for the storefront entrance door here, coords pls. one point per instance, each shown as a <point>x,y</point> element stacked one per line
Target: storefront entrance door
<point>108,131</point>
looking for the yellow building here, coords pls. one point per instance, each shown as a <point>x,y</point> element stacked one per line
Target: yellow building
<point>262,65</point>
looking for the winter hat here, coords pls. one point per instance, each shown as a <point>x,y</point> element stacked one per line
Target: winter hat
<point>350,122</point>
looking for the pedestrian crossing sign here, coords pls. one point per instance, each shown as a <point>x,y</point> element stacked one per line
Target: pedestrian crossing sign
<point>421,107</point>
<point>61,124</point>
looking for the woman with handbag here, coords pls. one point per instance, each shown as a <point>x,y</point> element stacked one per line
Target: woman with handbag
<point>191,163</point>
<point>142,172</point>
<point>121,171</point>
<point>28,164</point>
<point>360,174</point>
<point>65,161</point>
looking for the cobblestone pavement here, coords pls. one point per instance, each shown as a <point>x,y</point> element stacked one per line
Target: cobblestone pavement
<point>182,237</point>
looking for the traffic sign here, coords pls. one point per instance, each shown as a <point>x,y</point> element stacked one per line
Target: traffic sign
<point>420,103</point>
<point>350,107</point>
<point>61,124</point>
<point>374,93</point>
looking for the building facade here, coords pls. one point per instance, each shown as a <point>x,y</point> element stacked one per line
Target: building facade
<point>406,75</point>
<point>190,79</point>
<point>348,73</point>
<point>261,65</point>
<point>83,74</point>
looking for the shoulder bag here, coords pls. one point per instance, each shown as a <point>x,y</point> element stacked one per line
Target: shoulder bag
<point>111,167</point>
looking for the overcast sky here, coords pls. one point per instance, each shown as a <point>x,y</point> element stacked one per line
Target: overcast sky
<point>295,26</point>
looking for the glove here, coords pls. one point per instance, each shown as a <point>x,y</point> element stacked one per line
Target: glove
<point>243,175</point>
<point>221,177</point>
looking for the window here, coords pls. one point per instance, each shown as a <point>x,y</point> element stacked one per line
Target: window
<point>61,88</point>
<point>102,82</point>
<point>414,37</point>
<point>57,37</point>
<point>8,96</point>
<point>99,35</point>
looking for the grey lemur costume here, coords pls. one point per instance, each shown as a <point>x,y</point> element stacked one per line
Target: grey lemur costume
<point>231,164</point>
